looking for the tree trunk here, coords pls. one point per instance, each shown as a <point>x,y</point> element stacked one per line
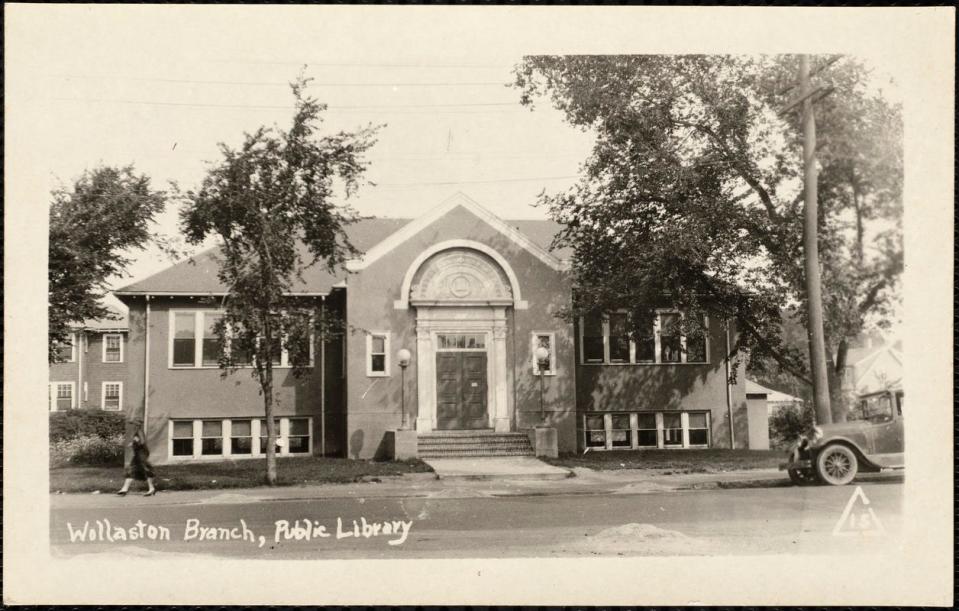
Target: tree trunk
<point>267,385</point>
<point>860,230</point>
<point>837,375</point>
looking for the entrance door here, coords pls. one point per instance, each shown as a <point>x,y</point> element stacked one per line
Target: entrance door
<point>461,390</point>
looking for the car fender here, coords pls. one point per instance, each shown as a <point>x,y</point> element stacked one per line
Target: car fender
<point>849,443</point>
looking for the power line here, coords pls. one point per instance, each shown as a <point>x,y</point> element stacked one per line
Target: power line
<point>472,182</point>
<point>357,64</point>
<point>347,108</point>
<point>280,83</point>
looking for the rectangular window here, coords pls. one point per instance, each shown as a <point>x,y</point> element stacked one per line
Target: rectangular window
<point>211,440</point>
<point>646,429</point>
<point>646,349</point>
<point>112,396</point>
<point>670,339</point>
<point>66,352</point>
<point>698,429</point>
<point>113,348</point>
<point>298,439</point>
<point>62,396</point>
<point>618,338</point>
<point>696,342</point>
<point>241,437</point>
<point>378,353</point>
<point>461,341</point>
<point>621,433</point>
<point>184,339</point>
<point>547,341</point>
<point>264,436</point>
<point>672,430</point>
<point>593,344</point>
<point>595,430</point>
<point>212,346</point>
<point>182,438</point>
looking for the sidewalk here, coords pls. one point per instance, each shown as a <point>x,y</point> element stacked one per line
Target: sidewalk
<point>427,485</point>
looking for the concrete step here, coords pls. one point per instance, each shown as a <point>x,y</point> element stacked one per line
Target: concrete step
<point>473,444</point>
<point>453,453</point>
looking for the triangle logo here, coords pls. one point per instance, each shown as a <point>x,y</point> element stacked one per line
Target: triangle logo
<point>858,518</point>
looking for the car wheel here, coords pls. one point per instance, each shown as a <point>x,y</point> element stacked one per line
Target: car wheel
<point>837,465</point>
<point>802,477</point>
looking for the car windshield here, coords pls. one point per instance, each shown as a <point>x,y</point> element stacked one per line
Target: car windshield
<point>873,409</point>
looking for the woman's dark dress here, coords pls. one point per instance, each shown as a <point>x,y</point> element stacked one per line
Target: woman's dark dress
<point>140,467</point>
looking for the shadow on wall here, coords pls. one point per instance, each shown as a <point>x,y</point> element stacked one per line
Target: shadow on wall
<point>356,443</point>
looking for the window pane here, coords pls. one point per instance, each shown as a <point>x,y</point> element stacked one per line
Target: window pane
<point>698,437</point>
<point>183,352</point>
<point>543,341</point>
<point>647,438</point>
<point>669,340</point>
<point>595,422</point>
<point>593,349</point>
<point>241,428</point>
<point>697,421</point>
<point>378,363</point>
<point>276,354</point>
<point>212,428</point>
<point>621,421</point>
<point>379,344</point>
<point>184,326</point>
<point>211,342</point>
<point>183,447</point>
<point>621,439</point>
<point>241,445</point>
<point>299,426</point>
<point>299,445</point>
<point>112,348</point>
<point>647,421</point>
<point>672,421</point>
<point>596,439</point>
<point>673,437</point>
<point>183,428</point>
<point>212,446</point>
<point>618,338</point>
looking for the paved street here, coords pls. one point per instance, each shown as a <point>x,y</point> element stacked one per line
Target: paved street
<point>482,520</point>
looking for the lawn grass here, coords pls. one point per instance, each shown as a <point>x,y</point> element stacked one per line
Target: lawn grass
<point>675,461</point>
<point>247,473</point>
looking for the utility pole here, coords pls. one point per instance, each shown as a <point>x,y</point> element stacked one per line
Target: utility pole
<point>817,341</point>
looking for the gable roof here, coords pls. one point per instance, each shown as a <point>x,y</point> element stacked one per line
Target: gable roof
<point>772,396</point>
<point>458,200</point>
<point>198,274</point>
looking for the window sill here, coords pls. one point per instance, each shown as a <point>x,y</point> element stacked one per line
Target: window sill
<point>373,374</point>
<point>548,374</point>
<point>191,368</point>
<point>642,364</point>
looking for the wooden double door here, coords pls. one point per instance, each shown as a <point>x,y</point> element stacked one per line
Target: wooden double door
<point>461,390</point>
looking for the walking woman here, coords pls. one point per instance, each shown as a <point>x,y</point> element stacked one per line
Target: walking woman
<point>138,467</point>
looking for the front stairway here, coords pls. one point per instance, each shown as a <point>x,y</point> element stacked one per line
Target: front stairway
<point>472,444</point>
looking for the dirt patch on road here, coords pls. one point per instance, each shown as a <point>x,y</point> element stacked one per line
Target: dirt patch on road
<point>642,539</point>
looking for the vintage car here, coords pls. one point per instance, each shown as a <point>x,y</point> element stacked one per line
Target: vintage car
<point>870,440</point>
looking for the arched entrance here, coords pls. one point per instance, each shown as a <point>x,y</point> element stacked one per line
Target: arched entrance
<point>461,291</point>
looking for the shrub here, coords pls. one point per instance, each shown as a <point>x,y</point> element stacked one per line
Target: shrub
<point>789,422</point>
<point>85,422</point>
<point>87,450</point>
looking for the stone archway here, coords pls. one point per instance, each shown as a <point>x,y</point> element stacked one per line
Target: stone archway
<point>461,292</point>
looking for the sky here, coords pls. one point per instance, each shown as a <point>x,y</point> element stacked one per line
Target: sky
<point>160,87</point>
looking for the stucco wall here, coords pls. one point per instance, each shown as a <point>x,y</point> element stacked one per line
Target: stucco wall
<point>374,402</point>
<point>668,387</point>
<point>205,393</point>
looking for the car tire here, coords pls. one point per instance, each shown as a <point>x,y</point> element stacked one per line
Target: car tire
<point>837,465</point>
<point>802,477</point>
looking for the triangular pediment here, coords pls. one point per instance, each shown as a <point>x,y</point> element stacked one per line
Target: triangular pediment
<point>456,201</point>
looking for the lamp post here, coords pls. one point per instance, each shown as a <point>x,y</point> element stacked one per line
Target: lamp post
<point>403,358</point>
<point>542,359</point>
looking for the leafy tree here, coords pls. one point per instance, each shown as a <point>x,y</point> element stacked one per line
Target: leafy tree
<point>692,195</point>
<point>790,422</point>
<point>94,226</point>
<point>271,203</point>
